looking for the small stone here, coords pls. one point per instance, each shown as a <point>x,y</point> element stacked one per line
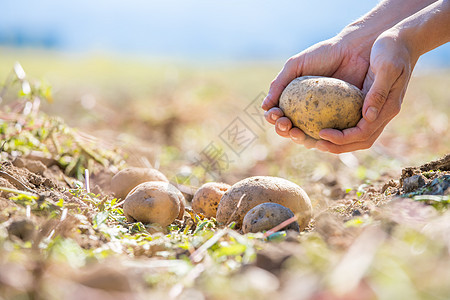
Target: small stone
<point>441,185</point>
<point>413,183</point>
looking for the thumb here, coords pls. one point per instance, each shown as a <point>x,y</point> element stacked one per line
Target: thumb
<point>377,95</point>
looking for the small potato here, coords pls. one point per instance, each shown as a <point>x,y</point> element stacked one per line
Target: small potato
<point>207,198</point>
<point>154,202</point>
<point>252,191</point>
<point>124,181</point>
<point>266,216</point>
<point>314,103</point>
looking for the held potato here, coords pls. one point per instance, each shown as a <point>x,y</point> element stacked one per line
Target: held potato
<point>124,181</point>
<point>314,103</point>
<point>207,198</point>
<point>266,216</point>
<point>261,189</point>
<point>154,202</point>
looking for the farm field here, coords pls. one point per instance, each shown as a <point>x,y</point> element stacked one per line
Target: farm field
<point>377,232</point>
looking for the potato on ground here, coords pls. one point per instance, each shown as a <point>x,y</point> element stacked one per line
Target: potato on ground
<point>252,191</point>
<point>124,181</point>
<point>266,216</point>
<point>314,103</point>
<point>207,198</point>
<point>154,202</point>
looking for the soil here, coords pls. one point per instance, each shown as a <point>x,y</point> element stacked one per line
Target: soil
<point>50,184</point>
<point>43,177</point>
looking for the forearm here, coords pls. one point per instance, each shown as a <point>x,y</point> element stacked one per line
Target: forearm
<point>385,15</point>
<point>426,29</point>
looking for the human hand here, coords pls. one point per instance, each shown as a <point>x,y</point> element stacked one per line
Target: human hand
<point>391,65</point>
<point>392,59</point>
<point>384,84</point>
<point>339,57</point>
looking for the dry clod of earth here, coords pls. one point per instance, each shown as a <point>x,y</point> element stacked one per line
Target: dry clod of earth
<point>23,229</point>
<point>249,192</point>
<point>207,198</point>
<point>154,202</point>
<point>266,216</point>
<point>442,164</point>
<point>34,166</point>
<point>124,181</point>
<point>314,103</point>
<point>432,178</point>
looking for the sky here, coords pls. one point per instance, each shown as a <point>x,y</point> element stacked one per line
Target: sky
<point>183,29</point>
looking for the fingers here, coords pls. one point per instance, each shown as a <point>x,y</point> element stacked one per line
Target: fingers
<point>286,75</point>
<point>273,114</point>
<point>378,93</point>
<point>364,130</point>
<point>361,132</point>
<point>328,146</point>
<point>297,135</point>
<point>282,127</point>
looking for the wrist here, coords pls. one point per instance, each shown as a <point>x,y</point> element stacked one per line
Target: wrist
<point>406,37</point>
<point>358,37</point>
<point>362,33</point>
<point>427,29</point>
<point>395,46</point>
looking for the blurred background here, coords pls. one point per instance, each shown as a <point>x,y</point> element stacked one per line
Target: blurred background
<point>166,78</point>
<point>187,30</point>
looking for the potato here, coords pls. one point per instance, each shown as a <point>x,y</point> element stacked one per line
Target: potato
<point>261,189</point>
<point>207,198</point>
<point>266,216</point>
<point>154,202</point>
<point>314,103</point>
<point>124,181</point>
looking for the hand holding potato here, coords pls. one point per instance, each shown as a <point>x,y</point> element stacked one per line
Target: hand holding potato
<point>392,60</point>
<point>330,58</point>
<point>385,85</point>
<point>377,54</point>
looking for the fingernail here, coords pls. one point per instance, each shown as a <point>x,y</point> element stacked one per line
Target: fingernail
<point>371,114</point>
<point>273,117</point>
<point>282,127</point>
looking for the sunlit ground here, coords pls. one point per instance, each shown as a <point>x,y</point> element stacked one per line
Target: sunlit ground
<point>174,115</point>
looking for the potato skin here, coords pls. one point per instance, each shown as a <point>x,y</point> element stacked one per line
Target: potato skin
<point>261,189</point>
<point>124,181</point>
<point>314,103</point>
<point>266,216</point>
<point>207,197</point>
<point>154,202</point>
